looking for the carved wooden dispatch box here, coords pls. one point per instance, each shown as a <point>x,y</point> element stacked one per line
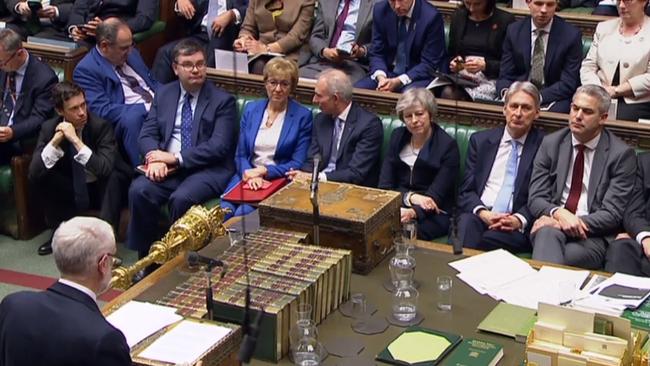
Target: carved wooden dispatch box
<point>356,218</point>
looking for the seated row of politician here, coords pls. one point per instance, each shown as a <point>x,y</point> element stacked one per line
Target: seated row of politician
<point>186,133</point>
<point>487,50</point>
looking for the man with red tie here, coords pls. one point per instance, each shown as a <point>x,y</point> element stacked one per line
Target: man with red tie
<point>582,179</point>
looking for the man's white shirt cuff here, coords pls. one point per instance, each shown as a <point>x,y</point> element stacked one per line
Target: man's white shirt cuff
<point>83,155</point>
<point>642,235</point>
<point>50,155</point>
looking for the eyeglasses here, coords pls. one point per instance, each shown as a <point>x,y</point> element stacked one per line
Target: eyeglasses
<point>188,66</point>
<point>274,84</point>
<point>115,260</point>
<point>5,62</point>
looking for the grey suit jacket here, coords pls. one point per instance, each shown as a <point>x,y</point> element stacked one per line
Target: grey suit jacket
<point>611,181</point>
<point>325,22</point>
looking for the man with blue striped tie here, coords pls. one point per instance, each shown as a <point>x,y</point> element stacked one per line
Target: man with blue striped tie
<point>493,196</point>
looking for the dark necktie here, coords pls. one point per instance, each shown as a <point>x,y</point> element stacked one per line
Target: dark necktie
<point>576,180</point>
<point>537,62</point>
<point>135,85</point>
<point>340,23</point>
<point>81,198</point>
<point>400,57</point>
<point>9,98</point>
<point>186,122</point>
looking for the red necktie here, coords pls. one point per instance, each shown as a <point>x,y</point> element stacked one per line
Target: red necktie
<point>340,22</point>
<point>576,180</point>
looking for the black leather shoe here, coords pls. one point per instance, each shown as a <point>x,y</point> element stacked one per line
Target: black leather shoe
<point>46,248</point>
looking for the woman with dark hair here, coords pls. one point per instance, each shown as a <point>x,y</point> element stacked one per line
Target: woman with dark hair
<point>618,60</point>
<point>422,163</point>
<point>476,34</point>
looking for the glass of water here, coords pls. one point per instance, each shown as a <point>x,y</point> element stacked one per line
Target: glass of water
<point>444,292</point>
<point>359,310</point>
<point>236,236</point>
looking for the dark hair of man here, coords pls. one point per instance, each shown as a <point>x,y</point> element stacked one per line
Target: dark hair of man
<point>63,91</point>
<point>490,5</point>
<point>187,47</point>
<point>108,29</point>
<point>10,40</point>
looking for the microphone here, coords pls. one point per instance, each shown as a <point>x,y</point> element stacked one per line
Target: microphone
<point>194,258</point>
<point>250,339</point>
<point>314,175</point>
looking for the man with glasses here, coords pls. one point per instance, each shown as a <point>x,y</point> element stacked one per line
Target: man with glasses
<point>118,85</point>
<point>188,142</point>
<point>26,84</point>
<point>63,325</point>
<point>76,163</point>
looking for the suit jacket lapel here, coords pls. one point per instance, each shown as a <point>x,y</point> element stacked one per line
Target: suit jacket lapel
<point>330,8</point>
<point>168,113</point>
<point>597,166</point>
<point>328,128</point>
<point>201,103</point>
<point>347,129</point>
<point>413,23</point>
<point>565,152</point>
<point>527,33</point>
<point>286,126</point>
<point>251,135</point>
<point>491,151</point>
<point>365,7</point>
<point>526,160</point>
<point>553,37</point>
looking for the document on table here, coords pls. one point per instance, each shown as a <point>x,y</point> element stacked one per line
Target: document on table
<point>489,271</point>
<point>618,292</point>
<point>187,342</point>
<point>138,320</point>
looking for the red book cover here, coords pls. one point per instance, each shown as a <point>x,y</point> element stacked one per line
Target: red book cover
<point>242,194</point>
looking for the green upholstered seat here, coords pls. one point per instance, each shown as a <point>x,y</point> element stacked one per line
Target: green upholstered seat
<point>157,27</point>
<point>6,180</point>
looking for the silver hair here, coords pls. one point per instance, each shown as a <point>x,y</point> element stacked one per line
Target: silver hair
<point>414,97</point>
<point>78,243</point>
<point>108,29</point>
<point>523,86</point>
<point>10,40</point>
<point>338,83</point>
<point>598,92</point>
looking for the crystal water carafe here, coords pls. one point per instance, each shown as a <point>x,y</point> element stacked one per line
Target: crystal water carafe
<point>405,298</point>
<point>402,263</point>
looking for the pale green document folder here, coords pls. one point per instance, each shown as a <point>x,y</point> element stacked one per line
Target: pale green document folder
<point>509,320</point>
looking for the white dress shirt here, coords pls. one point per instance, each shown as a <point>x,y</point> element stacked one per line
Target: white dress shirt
<point>498,174</point>
<point>408,155</point>
<point>590,150</point>
<point>349,32</point>
<point>130,97</point>
<point>79,287</point>
<point>533,37</point>
<point>52,154</point>
<point>221,8</point>
<point>267,140</point>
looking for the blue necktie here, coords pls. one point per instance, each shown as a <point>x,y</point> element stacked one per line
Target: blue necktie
<point>186,122</point>
<point>502,203</point>
<point>400,58</point>
<point>336,137</point>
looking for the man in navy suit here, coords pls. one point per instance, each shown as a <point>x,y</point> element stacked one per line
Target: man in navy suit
<point>408,44</point>
<point>213,23</point>
<point>192,128</point>
<point>494,194</point>
<point>545,50</point>
<point>87,15</point>
<point>119,87</point>
<point>63,326</point>
<point>347,137</point>
<point>25,95</point>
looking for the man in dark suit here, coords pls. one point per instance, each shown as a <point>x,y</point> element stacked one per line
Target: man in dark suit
<point>408,44</point>
<point>545,50</point>
<point>340,39</point>
<point>494,194</point>
<point>193,128</point>
<point>347,137</point>
<point>119,87</point>
<point>631,250</point>
<point>87,15</point>
<point>63,326</point>
<point>48,21</point>
<point>582,179</point>
<point>213,23</point>
<point>26,103</point>
<point>75,157</point>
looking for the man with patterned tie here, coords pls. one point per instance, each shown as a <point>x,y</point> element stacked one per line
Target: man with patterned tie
<point>493,198</point>
<point>213,23</point>
<point>583,177</point>
<point>545,50</point>
<point>26,103</point>
<point>75,161</point>
<point>340,39</point>
<point>408,44</point>
<point>347,137</point>
<point>188,141</point>
<point>119,87</point>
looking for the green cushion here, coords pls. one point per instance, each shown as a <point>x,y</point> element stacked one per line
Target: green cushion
<point>157,27</point>
<point>586,44</point>
<point>6,180</point>
<point>580,10</point>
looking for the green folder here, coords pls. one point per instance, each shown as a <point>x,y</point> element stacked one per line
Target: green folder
<point>509,320</point>
<point>419,347</point>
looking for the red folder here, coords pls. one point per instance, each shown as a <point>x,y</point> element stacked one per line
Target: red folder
<point>241,193</point>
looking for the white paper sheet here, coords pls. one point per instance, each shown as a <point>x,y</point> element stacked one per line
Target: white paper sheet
<point>186,342</point>
<point>138,320</point>
<point>230,61</point>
